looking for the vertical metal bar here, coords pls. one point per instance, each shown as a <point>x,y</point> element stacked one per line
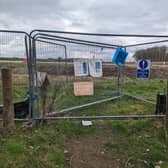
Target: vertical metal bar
<point>123,75</point>
<point>26,48</point>
<point>66,63</point>
<point>120,79</point>
<point>29,69</point>
<point>33,78</point>
<point>121,82</point>
<point>166,118</point>
<point>35,84</point>
<point>31,103</point>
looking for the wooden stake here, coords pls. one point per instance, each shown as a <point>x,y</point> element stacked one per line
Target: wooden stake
<point>43,83</point>
<point>8,108</point>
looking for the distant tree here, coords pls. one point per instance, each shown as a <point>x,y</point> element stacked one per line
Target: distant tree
<point>154,54</point>
<point>59,59</point>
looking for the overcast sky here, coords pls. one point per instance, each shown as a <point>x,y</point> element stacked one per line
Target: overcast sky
<point>110,16</point>
<point>99,16</point>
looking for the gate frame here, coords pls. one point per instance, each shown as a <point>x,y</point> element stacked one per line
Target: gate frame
<point>28,57</point>
<point>39,33</point>
<point>33,70</point>
<point>31,64</point>
<point>87,43</point>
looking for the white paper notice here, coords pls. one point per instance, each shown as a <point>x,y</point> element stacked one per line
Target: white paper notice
<point>81,67</point>
<point>95,67</point>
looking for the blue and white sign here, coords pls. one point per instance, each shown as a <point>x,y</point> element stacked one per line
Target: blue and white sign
<point>143,68</point>
<point>81,67</point>
<point>85,67</point>
<point>95,68</point>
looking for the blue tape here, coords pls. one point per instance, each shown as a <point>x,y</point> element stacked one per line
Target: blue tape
<point>33,96</point>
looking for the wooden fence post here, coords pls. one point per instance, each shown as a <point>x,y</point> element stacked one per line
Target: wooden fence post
<point>8,107</point>
<point>43,83</point>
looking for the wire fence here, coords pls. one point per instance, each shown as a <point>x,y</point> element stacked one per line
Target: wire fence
<point>47,67</point>
<point>61,63</point>
<point>84,47</point>
<point>14,55</point>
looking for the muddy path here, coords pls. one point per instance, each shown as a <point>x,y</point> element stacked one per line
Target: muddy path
<point>90,152</point>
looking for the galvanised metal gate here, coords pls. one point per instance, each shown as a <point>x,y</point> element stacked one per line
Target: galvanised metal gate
<point>66,43</point>
<point>58,49</point>
<point>14,48</point>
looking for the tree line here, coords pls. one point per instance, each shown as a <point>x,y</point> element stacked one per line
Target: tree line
<point>153,54</point>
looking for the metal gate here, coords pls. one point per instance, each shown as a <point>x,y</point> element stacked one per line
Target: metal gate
<point>51,54</point>
<point>67,46</point>
<point>14,54</point>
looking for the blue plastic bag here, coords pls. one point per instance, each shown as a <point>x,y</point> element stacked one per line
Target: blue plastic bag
<point>120,56</point>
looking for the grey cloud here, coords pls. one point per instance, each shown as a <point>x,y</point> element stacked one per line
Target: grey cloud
<point>107,16</point>
<point>98,16</point>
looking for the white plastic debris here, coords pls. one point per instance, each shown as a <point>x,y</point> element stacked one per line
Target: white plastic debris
<point>160,162</point>
<point>157,166</point>
<point>86,123</point>
<point>147,150</point>
<point>65,151</point>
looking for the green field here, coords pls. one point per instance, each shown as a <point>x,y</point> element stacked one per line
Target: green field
<point>141,142</point>
<point>138,143</point>
<point>146,89</point>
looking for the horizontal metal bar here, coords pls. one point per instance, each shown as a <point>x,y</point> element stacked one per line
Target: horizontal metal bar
<point>49,42</point>
<point>74,42</point>
<point>99,34</point>
<point>78,40</point>
<point>113,117</point>
<point>14,31</point>
<point>141,99</point>
<point>147,43</point>
<point>83,105</point>
<point>20,119</point>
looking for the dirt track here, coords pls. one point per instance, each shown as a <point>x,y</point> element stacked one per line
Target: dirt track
<point>90,152</point>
